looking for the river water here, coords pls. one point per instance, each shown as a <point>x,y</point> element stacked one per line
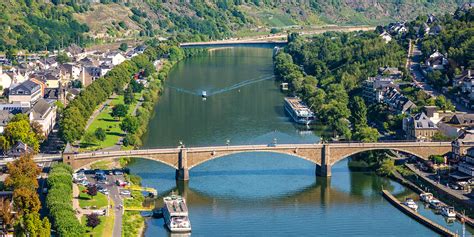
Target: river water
<point>259,194</point>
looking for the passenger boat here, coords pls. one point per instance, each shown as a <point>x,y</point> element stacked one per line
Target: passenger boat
<point>448,212</point>
<point>299,112</point>
<point>426,197</point>
<point>410,204</point>
<point>175,213</point>
<point>204,94</point>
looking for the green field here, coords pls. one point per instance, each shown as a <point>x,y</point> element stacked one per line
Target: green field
<point>110,124</point>
<point>99,201</point>
<point>273,19</point>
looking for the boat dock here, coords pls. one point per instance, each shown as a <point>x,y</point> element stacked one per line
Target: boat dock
<point>415,215</point>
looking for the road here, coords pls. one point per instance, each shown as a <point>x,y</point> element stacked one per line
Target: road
<point>115,196</point>
<point>420,80</point>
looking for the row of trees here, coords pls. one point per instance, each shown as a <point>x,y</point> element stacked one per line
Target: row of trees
<point>331,69</point>
<point>59,202</point>
<point>24,216</point>
<point>75,116</point>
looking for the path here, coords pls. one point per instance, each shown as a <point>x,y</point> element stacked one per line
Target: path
<point>115,196</point>
<point>99,110</point>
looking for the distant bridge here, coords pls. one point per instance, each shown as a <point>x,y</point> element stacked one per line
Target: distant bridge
<point>233,43</point>
<point>323,155</point>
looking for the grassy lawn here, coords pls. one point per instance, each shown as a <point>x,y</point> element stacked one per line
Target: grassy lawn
<point>98,201</point>
<point>110,124</point>
<point>98,230</point>
<point>102,165</point>
<point>135,201</point>
<point>132,223</point>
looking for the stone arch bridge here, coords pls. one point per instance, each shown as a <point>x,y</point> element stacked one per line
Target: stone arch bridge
<point>323,155</point>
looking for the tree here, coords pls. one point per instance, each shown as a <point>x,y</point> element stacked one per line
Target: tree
<point>123,47</point>
<point>359,112</point>
<point>100,134</point>
<point>130,124</point>
<point>19,129</point>
<point>6,214</point>
<point>89,138</point>
<point>32,225</point>
<point>62,58</point>
<point>92,191</point>
<point>440,137</point>
<point>387,168</point>
<point>444,104</point>
<point>26,200</point>
<point>4,144</point>
<point>437,159</point>
<point>136,87</point>
<point>128,97</point>
<point>366,134</point>
<point>93,220</point>
<point>22,173</point>
<point>120,111</point>
<point>129,140</point>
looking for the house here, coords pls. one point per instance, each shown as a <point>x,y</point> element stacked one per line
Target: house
<point>5,117</point>
<point>392,72</point>
<point>435,30</point>
<point>466,166</point>
<point>70,71</point>
<point>27,92</point>
<point>436,61</point>
<point>373,88</point>
<point>419,127</point>
<point>431,19</point>
<point>466,82</point>
<point>115,58</point>
<point>5,80</point>
<point>467,6</point>
<point>462,143</point>
<point>386,37</point>
<point>44,113</point>
<point>74,51</point>
<point>19,149</point>
<point>396,101</point>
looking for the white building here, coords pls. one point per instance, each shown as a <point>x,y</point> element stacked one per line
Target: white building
<point>45,114</point>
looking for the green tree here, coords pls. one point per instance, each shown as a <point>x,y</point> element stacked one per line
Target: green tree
<point>62,58</point>
<point>100,134</point>
<point>444,104</point>
<point>120,111</point>
<point>359,112</point>
<point>366,134</point>
<point>123,47</point>
<point>89,138</point>
<point>130,124</point>
<point>387,168</point>
<point>19,129</point>
<point>32,225</point>
<point>437,159</point>
<point>128,97</point>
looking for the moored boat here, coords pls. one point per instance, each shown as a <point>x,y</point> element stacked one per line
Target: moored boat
<point>448,212</point>
<point>204,94</point>
<point>426,197</point>
<point>175,213</point>
<point>410,203</point>
<point>435,204</point>
<point>299,112</point>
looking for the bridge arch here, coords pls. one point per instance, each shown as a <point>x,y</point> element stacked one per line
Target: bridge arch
<point>341,157</point>
<point>91,162</point>
<point>222,155</point>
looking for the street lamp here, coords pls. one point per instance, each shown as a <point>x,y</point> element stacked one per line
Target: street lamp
<point>180,143</point>
<point>227,142</point>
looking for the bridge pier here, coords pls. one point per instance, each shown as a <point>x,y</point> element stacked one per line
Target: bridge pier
<point>182,173</point>
<point>324,170</point>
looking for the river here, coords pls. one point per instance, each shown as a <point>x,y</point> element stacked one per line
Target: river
<point>259,194</point>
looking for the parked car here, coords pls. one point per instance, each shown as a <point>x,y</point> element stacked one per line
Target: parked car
<point>454,186</point>
<point>471,181</point>
<point>124,192</point>
<point>118,172</point>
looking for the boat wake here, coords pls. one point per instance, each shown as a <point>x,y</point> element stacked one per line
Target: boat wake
<point>226,89</point>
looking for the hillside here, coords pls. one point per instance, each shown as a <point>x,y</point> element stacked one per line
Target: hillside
<point>43,23</point>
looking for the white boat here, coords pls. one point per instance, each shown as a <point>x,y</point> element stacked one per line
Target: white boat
<point>435,204</point>
<point>204,94</point>
<point>426,197</point>
<point>411,204</point>
<point>448,212</point>
<point>298,111</point>
<point>175,213</point>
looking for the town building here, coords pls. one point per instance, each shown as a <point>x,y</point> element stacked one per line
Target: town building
<point>396,101</point>
<point>44,113</point>
<point>27,92</point>
<point>419,127</point>
<point>5,117</point>
<point>466,166</point>
<point>436,61</point>
<point>386,37</point>
<point>373,88</point>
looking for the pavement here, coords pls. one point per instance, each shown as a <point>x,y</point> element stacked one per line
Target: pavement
<point>421,82</point>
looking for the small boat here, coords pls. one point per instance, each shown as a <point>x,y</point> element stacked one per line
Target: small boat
<point>410,203</point>
<point>426,197</point>
<point>448,212</point>
<point>204,94</point>
<point>435,204</point>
